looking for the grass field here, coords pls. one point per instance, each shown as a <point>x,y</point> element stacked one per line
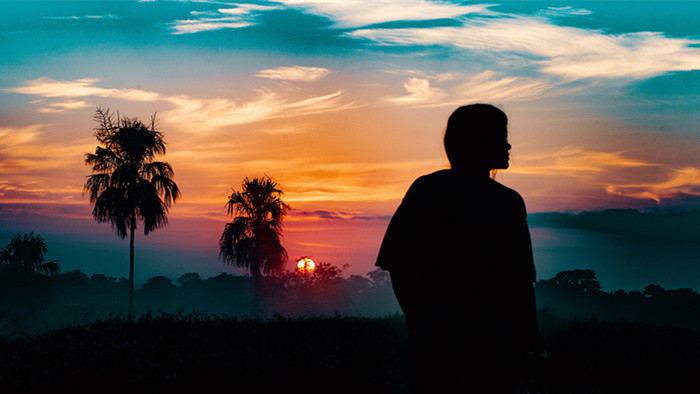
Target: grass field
<point>323,355</point>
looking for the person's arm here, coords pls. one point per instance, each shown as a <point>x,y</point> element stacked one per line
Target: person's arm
<point>532,337</point>
<point>395,251</point>
<point>402,290</point>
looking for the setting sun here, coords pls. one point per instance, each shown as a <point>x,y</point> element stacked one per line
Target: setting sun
<point>305,265</point>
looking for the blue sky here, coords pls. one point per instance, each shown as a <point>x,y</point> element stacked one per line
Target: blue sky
<point>344,103</point>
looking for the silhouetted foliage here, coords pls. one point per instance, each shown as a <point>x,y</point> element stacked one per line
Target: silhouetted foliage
<point>165,353</point>
<point>577,294</point>
<point>252,239</point>
<point>578,280</point>
<point>25,278</point>
<point>26,252</point>
<point>190,279</point>
<point>323,291</point>
<point>73,297</point>
<point>128,184</point>
<point>173,352</point>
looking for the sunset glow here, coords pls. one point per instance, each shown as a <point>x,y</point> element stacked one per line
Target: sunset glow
<point>344,104</point>
<point>305,265</point>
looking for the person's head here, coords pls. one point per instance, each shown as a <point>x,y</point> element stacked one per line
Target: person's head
<point>476,138</point>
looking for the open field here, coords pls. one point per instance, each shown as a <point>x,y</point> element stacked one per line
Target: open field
<point>323,354</point>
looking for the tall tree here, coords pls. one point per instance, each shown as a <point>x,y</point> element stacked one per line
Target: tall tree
<point>128,184</point>
<point>24,275</point>
<point>253,239</point>
<point>25,253</point>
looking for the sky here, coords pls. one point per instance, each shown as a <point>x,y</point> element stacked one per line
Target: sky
<point>344,104</point>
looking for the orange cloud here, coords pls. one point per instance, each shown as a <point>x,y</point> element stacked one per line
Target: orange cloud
<point>573,162</point>
<point>681,182</point>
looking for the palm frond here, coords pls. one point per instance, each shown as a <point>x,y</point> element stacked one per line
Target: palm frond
<point>166,188</point>
<point>96,184</point>
<point>49,268</point>
<point>154,168</point>
<point>129,184</point>
<point>111,206</point>
<point>253,239</point>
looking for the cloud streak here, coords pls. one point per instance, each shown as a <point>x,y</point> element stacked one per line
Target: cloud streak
<point>322,214</point>
<point>567,52</point>
<point>680,183</point>
<point>243,15</point>
<point>600,168</point>
<point>294,73</point>
<point>207,114</point>
<point>574,162</point>
<point>84,87</point>
<point>358,13</point>
<point>190,113</point>
<point>486,86</point>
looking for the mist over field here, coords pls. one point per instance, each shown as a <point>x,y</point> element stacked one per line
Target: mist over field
<point>626,250</point>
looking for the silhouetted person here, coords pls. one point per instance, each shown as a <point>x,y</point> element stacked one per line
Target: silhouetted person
<point>460,258</point>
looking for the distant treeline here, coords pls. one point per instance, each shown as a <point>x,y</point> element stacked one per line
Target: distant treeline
<point>37,302</point>
<point>577,293</point>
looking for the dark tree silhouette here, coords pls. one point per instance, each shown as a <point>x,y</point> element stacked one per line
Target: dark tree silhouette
<point>129,185</point>
<point>26,252</point>
<point>653,290</point>
<point>253,239</point>
<point>579,279</point>
<point>25,278</point>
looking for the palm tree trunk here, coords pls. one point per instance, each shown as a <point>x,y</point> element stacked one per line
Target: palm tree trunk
<point>256,296</point>
<point>131,269</point>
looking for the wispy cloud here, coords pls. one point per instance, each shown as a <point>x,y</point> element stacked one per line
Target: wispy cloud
<point>458,88</point>
<point>11,136</point>
<point>84,17</point>
<point>322,214</point>
<point>242,15</point>
<point>565,11</point>
<point>30,166</point>
<point>680,182</point>
<point>84,87</point>
<point>574,162</point>
<point>419,92</point>
<point>20,192</point>
<point>568,52</point>
<point>23,151</point>
<point>603,169</point>
<point>208,24</point>
<point>206,114</point>
<point>294,73</point>
<point>61,106</point>
<point>316,179</point>
<point>358,13</point>
<point>191,113</point>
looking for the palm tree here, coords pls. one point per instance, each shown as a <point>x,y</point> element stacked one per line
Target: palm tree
<point>129,185</point>
<point>24,275</point>
<point>25,253</point>
<point>252,239</point>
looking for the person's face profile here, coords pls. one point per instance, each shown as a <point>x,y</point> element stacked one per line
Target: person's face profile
<point>497,150</point>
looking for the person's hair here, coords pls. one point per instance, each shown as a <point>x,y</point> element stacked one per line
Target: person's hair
<point>469,128</point>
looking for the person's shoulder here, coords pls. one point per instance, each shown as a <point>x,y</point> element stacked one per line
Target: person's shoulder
<point>435,176</point>
<point>508,194</point>
<point>429,181</point>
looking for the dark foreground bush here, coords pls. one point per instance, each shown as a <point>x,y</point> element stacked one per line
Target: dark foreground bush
<point>167,353</point>
<point>323,355</point>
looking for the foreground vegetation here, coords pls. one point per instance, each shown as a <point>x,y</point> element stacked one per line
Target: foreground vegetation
<point>64,332</point>
<point>324,354</point>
